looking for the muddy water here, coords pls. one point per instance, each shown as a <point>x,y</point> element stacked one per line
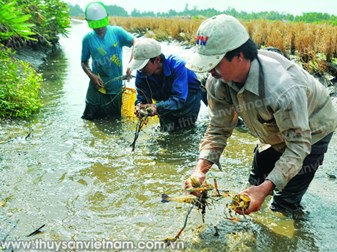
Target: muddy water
<point>83,182</point>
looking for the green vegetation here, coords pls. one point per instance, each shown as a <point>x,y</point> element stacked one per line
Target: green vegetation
<point>50,18</point>
<point>313,45</point>
<point>14,22</point>
<point>44,20</point>
<point>31,23</point>
<point>38,23</point>
<point>311,37</point>
<point>310,17</point>
<point>19,87</point>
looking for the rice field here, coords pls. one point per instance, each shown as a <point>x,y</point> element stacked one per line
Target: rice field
<point>315,45</point>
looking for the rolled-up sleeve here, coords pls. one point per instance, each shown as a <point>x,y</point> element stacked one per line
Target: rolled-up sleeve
<point>223,119</point>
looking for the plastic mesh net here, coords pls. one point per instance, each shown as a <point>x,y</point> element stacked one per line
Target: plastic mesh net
<point>128,102</point>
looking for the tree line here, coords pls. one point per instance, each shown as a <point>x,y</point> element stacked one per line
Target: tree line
<point>309,17</point>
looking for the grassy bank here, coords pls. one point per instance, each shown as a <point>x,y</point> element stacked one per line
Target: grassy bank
<point>35,24</point>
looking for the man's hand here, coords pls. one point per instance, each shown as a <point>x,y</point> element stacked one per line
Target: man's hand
<point>97,81</point>
<point>138,109</point>
<point>145,109</point>
<point>128,74</point>
<point>151,109</point>
<point>198,175</point>
<point>257,195</point>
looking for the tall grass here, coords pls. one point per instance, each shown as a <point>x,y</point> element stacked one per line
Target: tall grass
<point>309,42</point>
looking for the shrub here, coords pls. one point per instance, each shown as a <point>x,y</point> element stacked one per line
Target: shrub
<point>20,86</point>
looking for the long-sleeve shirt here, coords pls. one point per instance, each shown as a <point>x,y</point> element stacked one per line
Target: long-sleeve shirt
<point>170,91</point>
<point>295,113</point>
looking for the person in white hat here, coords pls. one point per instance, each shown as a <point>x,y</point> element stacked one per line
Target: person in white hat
<point>104,45</point>
<point>287,109</point>
<point>165,79</point>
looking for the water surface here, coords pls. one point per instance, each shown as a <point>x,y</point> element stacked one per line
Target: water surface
<point>83,182</point>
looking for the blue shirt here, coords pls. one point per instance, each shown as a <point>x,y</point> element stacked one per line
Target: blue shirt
<point>171,91</point>
<point>106,55</point>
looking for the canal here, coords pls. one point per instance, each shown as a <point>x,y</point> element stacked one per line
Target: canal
<point>82,181</point>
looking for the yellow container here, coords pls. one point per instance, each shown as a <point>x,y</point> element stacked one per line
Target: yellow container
<point>128,102</point>
<point>128,105</point>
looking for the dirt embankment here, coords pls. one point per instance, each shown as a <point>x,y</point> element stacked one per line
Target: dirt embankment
<point>36,57</point>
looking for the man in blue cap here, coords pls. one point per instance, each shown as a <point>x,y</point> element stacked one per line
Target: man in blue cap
<point>104,46</point>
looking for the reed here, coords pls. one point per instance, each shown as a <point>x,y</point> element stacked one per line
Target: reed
<point>302,40</point>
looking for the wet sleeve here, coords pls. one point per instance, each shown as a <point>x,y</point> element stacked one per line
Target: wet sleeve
<point>178,92</point>
<point>85,55</point>
<point>223,119</point>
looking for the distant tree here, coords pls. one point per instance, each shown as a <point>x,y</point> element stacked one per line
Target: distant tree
<point>148,14</point>
<point>312,17</point>
<point>135,13</point>
<point>172,13</point>
<point>115,10</point>
<point>209,12</point>
<point>75,10</point>
<point>231,11</point>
